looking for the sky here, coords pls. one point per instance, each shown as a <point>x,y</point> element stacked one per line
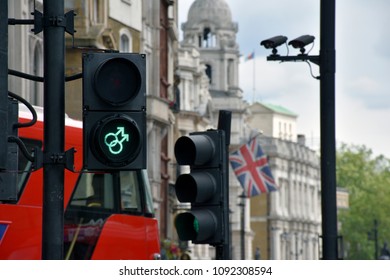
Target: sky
<point>362,62</point>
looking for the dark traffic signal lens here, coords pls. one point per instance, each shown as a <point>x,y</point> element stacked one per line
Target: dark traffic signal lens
<point>117,81</point>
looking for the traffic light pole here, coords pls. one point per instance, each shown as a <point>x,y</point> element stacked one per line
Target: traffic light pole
<point>54,24</point>
<point>223,252</point>
<point>3,82</point>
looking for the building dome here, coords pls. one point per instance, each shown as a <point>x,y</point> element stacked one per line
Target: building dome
<point>210,11</point>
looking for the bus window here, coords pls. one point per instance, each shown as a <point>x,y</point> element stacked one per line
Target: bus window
<point>149,210</point>
<point>92,202</point>
<point>96,197</point>
<point>130,194</point>
<point>24,165</point>
<point>94,190</point>
<point>136,197</point>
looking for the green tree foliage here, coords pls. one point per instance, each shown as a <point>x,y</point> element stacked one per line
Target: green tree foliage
<point>367,179</point>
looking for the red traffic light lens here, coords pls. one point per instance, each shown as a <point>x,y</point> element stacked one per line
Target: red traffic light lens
<point>117,81</point>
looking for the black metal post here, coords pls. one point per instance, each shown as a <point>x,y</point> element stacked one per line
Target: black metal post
<point>54,129</point>
<point>3,83</point>
<point>327,62</point>
<point>373,235</point>
<point>223,251</point>
<point>328,137</point>
<point>376,238</point>
<point>242,205</point>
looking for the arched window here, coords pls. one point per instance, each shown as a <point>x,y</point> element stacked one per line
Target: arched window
<point>125,43</point>
<point>97,11</point>
<point>231,73</point>
<point>208,38</point>
<point>36,94</point>
<point>209,72</point>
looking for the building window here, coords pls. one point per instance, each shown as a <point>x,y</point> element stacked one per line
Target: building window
<point>36,95</point>
<point>97,11</point>
<point>209,72</point>
<point>280,131</point>
<point>231,73</point>
<point>125,43</point>
<point>209,40</point>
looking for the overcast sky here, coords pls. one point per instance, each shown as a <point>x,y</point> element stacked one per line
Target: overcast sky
<point>362,65</point>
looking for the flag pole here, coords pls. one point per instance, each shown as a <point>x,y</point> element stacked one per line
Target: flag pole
<point>254,78</point>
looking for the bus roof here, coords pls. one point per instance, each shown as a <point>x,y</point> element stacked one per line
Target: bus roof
<point>25,113</point>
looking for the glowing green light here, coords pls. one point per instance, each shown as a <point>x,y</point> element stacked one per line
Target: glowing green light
<point>114,140</point>
<point>196,225</point>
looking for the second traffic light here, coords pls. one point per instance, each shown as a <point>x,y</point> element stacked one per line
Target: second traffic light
<point>114,111</point>
<point>203,187</point>
<point>9,177</point>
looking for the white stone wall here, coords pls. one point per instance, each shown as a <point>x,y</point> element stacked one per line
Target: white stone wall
<point>127,12</point>
<point>295,209</point>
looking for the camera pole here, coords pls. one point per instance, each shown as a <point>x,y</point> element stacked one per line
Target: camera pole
<point>328,137</point>
<point>327,63</point>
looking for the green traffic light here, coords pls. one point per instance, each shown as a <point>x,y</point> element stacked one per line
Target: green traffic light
<point>196,225</point>
<point>187,226</point>
<point>199,225</point>
<point>114,140</point>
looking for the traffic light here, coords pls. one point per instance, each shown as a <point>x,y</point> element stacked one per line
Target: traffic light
<point>114,111</point>
<point>8,177</point>
<point>204,187</point>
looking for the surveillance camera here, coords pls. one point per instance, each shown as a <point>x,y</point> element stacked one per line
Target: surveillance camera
<point>302,41</point>
<point>273,42</point>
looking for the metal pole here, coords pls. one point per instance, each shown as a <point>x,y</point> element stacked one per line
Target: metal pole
<point>223,251</point>
<point>242,205</point>
<point>3,83</point>
<point>328,145</point>
<point>376,238</point>
<point>54,127</point>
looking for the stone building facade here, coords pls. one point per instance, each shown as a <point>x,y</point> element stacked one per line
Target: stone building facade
<point>287,222</point>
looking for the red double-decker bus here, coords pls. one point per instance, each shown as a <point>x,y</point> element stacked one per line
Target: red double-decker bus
<point>107,215</point>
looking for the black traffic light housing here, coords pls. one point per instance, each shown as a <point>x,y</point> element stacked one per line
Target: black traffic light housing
<point>203,187</point>
<point>9,177</point>
<point>114,111</point>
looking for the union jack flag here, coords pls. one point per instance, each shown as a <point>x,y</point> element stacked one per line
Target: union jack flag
<point>250,165</point>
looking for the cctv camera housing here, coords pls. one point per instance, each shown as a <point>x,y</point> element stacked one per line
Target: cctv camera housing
<point>302,41</point>
<point>273,42</point>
